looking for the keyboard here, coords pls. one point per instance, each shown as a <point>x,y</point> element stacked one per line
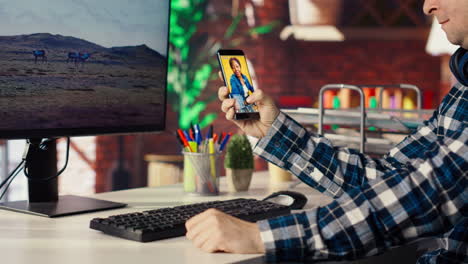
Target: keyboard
<point>169,222</point>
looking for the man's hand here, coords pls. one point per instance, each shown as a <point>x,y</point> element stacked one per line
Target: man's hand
<point>214,231</point>
<point>266,107</point>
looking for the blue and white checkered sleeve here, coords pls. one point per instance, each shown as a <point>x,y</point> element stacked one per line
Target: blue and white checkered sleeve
<point>334,170</point>
<point>290,238</point>
<point>425,198</point>
<point>313,158</point>
<point>454,247</point>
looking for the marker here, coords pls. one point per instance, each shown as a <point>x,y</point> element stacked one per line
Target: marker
<point>180,140</point>
<point>198,135</point>
<point>210,132</point>
<point>193,145</point>
<point>184,140</point>
<point>187,135</point>
<point>195,134</point>
<point>191,134</point>
<point>211,149</point>
<point>225,140</point>
<point>221,137</point>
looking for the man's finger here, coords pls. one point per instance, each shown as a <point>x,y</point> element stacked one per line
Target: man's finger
<point>228,104</point>
<point>230,117</point>
<point>204,236</point>
<point>210,245</point>
<point>256,96</point>
<point>199,224</point>
<point>221,77</point>
<point>200,217</point>
<point>198,230</point>
<point>223,93</point>
<point>230,114</point>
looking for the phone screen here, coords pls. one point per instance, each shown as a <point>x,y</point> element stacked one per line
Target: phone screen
<point>238,81</point>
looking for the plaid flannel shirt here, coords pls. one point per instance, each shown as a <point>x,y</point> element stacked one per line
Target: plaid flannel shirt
<point>419,189</point>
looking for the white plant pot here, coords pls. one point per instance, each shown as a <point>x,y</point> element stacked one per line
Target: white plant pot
<point>278,175</point>
<point>238,180</point>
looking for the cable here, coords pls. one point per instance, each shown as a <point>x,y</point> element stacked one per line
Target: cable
<point>66,157</point>
<point>53,176</point>
<point>20,166</point>
<point>12,176</point>
<point>15,172</point>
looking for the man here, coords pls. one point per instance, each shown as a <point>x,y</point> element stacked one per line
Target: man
<point>419,189</point>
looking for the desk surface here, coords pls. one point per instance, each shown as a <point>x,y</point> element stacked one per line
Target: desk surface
<point>33,239</point>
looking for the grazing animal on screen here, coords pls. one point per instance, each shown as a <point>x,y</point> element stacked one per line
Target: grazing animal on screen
<point>39,54</point>
<point>83,57</point>
<point>73,57</point>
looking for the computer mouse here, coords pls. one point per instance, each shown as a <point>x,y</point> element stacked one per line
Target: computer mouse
<point>294,200</point>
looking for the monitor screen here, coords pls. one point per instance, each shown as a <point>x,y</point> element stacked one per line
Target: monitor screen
<point>82,67</point>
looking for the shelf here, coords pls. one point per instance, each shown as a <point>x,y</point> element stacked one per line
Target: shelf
<point>392,119</point>
<point>332,33</point>
<point>312,33</point>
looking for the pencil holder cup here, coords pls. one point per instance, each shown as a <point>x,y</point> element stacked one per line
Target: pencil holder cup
<point>201,173</point>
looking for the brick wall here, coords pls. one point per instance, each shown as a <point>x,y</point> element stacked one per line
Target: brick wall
<point>286,67</point>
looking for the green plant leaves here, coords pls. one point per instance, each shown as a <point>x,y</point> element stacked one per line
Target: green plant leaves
<point>201,77</point>
<point>239,153</point>
<point>232,28</point>
<point>265,28</point>
<point>190,114</point>
<point>208,119</point>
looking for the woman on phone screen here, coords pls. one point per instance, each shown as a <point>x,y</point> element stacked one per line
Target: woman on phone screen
<point>240,86</point>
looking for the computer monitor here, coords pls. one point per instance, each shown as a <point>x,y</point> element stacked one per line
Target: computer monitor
<point>75,68</point>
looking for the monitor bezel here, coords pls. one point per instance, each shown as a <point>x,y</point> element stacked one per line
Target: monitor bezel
<point>75,132</point>
<point>97,131</point>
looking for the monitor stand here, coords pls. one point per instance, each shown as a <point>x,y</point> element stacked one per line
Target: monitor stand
<point>41,163</point>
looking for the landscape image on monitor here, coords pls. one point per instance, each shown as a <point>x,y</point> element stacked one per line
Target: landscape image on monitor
<point>82,64</point>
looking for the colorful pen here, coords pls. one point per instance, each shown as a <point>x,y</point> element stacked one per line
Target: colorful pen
<point>180,140</point>
<point>221,137</point>
<point>194,146</point>
<point>187,135</point>
<point>198,135</point>
<point>210,132</point>
<point>184,140</point>
<point>191,134</point>
<point>211,149</point>
<point>225,140</point>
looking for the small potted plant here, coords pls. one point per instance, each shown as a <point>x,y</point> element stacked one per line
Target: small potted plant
<point>238,163</point>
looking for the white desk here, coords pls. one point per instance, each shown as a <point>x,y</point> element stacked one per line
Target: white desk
<point>33,239</point>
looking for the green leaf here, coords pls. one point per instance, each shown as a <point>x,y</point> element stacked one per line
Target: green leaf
<point>190,114</point>
<point>265,28</point>
<point>208,119</point>
<point>232,28</point>
<point>179,4</point>
<point>184,52</point>
<point>201,78</point>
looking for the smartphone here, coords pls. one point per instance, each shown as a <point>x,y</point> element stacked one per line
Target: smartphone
<point>239,82</point>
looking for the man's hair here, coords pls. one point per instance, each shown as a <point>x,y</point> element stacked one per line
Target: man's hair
<point>231,60</point>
